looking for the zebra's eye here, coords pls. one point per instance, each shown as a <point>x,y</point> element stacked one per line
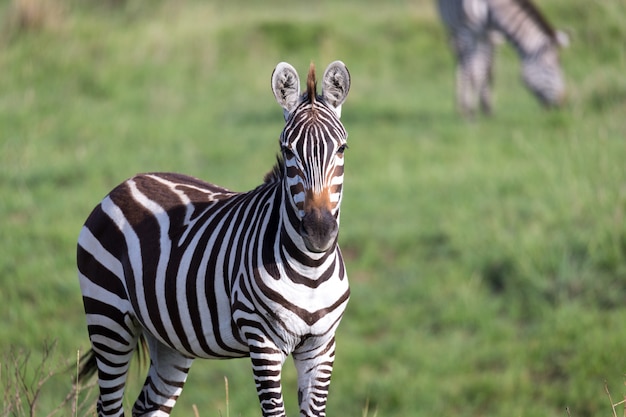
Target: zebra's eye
<point>342,149</point>
<point>287,152</point>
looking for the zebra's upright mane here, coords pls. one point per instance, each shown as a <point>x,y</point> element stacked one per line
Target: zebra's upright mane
<point>276,173</point>
<point>311,85</point>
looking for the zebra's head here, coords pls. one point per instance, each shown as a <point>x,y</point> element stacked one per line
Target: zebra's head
<point>312,145</point>
<point>541,71</point>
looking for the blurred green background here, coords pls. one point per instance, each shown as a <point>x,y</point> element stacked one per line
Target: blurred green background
<point>487,259</point>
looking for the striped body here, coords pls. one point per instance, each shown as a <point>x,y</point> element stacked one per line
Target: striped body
<point>199,271</point>
<point>475,25</point>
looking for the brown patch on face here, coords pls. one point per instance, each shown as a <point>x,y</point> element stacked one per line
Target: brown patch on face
<point>318,226</point>
<point>317,202</point>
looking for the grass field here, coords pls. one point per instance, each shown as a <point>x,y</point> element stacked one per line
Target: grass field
<point>487,259</point>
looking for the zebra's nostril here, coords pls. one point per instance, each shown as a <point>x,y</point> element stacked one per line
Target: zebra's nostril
<point>319,229</point>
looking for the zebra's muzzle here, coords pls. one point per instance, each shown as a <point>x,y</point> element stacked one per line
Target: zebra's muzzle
<point>319,230</point>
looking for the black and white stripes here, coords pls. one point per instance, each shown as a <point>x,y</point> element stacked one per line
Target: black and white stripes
<point>475,24</point>
<point>198,271</point>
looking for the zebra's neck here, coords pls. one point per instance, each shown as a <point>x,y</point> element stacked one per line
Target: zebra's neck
<point>523,25</point>
<point>284,251</point>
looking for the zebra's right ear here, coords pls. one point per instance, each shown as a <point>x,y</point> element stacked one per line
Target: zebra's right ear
<point>286,87</point>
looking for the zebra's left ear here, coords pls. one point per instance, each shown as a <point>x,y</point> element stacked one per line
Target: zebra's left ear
<point>335,85</point>
<point>562,39</point>
<point>286,87</point>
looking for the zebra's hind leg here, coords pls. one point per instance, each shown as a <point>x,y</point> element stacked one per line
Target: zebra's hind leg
<point>113,365</point>
<point>113,340</point>
<point>165,380</point>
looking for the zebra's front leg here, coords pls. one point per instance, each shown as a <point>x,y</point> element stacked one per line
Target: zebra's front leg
<point>267,362</point>
<point>314,363</point>
<point>465,91</point>
<point>486,58</point>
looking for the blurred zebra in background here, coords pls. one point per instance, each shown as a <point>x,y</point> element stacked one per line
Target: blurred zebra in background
<point>475,25</point>
<point>197,271</point>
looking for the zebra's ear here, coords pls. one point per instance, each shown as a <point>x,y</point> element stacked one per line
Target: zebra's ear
<point>335,85</point>
<point>562,39</point>
<point>286,87</point>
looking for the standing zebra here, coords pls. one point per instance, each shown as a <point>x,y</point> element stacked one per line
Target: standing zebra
<point>197,271</point>
<point>472,25</point>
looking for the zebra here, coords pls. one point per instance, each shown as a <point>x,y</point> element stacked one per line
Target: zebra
<point>193,270</point>
<point>476,25</point>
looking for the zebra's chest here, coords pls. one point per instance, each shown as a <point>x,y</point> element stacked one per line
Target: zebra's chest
<point>287,311</point>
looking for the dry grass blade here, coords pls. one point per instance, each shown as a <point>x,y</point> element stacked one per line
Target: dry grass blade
<point>23,381</point>
<point>227,399</point>
<point>613,405</point>
<point>366,409</point>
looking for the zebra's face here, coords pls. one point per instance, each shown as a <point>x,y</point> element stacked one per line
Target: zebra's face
<point>543,76</point>
<point>312,145</point>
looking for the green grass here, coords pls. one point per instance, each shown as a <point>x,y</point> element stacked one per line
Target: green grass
<point>487,259</point>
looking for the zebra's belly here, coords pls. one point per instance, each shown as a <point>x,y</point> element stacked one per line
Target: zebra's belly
<point>196,328</point>
<point>219,343</point>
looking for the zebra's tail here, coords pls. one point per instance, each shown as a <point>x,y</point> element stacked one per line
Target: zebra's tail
<point>88,364</point>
